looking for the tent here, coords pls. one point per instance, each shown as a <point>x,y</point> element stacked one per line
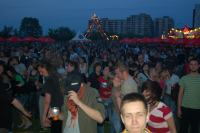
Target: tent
<point>79,37</point>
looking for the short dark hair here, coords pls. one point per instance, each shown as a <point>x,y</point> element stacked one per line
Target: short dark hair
<point>154,87</point>
<point>193,59</point>
<point>134,97</point>
<point>97,64</point>
<point>47,65</point>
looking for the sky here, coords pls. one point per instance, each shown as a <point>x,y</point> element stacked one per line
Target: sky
<point>76,13</point>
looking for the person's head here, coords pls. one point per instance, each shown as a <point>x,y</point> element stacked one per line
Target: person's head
<point>164,74</point>
<point>13,61</point>
<point>2,68</point>
<point>73,82</point>
<point>134,112</point>
<point>97,67</point>
<point>122,70</point>
<point>194,65</point>
<point>145,67</point>
<point>151,91</point>
<point>82,60</point>
<point>140,59</point>
<point>153,75</point>
<point>72,66</point>
<point>10,71</point>
<point>44,68</point>
<point>158,66</point>
<point>106,70</point>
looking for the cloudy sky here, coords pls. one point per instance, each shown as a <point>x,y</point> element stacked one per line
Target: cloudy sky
<point>76,13</point>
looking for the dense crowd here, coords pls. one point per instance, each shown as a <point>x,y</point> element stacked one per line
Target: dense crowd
<point>87,83</point>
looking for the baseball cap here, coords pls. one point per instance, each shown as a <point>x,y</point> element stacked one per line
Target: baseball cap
<point>73,81</point>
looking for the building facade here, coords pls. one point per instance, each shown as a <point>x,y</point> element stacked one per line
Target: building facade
<point>140,25</point>
<point>117,26</point>
<point>163,25</point>
<point>196,16</point>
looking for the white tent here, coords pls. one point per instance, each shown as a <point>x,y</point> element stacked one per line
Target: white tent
<point>80,38</point>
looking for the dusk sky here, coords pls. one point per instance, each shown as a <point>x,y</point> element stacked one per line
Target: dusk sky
<point>76,13</point>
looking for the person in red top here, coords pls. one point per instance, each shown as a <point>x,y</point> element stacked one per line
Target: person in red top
<point>105,96</point>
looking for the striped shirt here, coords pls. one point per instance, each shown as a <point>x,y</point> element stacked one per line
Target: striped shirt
<point>157,120</point>
<point>191,87</point>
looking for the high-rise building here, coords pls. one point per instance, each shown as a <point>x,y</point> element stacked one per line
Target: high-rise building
<point>117,26</point>
<point>163,25</point>
<point>140,25</point>
<point>196,16</point>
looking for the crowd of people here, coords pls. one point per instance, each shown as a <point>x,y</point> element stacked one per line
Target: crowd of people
<point>134,88</point>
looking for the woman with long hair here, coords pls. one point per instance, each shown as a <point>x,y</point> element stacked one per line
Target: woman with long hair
<point>160,115</point>
<point>53,96</point>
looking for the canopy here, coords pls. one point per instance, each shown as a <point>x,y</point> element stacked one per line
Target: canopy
<point>46,40</point>
<point>29,39</point>
<point>170,41</point>
<point>79,38</point>
<point>14,39</point>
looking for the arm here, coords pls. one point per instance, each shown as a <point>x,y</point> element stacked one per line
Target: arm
<point>180,97</point>
<point>19,106</point>
<point>47,100</point>
<point>118,99</point>
<point>92,113</point>
<point>171,125</point>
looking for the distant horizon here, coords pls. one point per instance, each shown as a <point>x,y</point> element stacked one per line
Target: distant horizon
<point>46,31</point>
<point>75,14</point>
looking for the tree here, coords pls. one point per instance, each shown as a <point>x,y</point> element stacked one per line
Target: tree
<point>6,32</point>
<point>30,27</point>
<point>61,34</point>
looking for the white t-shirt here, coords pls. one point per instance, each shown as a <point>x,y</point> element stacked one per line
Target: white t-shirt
<point>169,83</point>
<point>69,129</point>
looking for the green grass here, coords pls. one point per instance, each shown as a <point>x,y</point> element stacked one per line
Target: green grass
<point>35,128</point>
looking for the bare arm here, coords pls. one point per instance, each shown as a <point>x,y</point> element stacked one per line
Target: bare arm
<point>180,97</point>
<point>47,100</point>
<point>118,99</point>
<point>19,106</point>
<point>92,113</point>
<point>171,125</point>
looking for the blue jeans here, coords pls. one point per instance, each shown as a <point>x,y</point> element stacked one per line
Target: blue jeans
<point>116,121</point>
<point>108,114</point>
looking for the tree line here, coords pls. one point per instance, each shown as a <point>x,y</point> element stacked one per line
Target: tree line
<point>30,26</point>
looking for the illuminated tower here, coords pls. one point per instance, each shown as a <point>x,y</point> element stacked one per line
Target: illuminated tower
<point>95,24</point>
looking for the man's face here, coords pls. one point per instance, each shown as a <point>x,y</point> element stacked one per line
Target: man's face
<point>42,71</point>
<point>70,68</point>
<point>119,73</point>
<point>194,66</point>
<point>98,68</point>
<point>134,117</point>
<point>141,59</point>
<point>106,71</point>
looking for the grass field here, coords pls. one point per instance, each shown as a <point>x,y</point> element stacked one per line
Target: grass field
<point>35,128</point>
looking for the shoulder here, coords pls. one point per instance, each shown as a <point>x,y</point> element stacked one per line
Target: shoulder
<point>165,110</point>
<point>174,76</point>
<point>91,91</point>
